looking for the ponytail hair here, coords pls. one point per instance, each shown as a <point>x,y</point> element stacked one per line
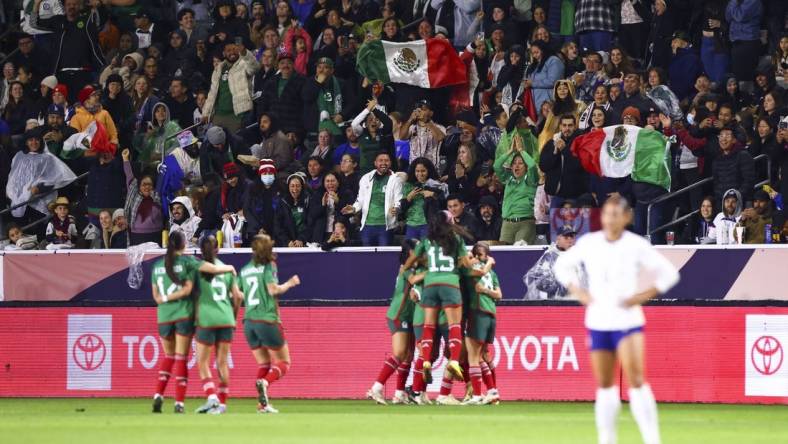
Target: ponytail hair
<point>263,250</point>
<point>442,230</point>
<point>176,243</point>
<point>208,247</point>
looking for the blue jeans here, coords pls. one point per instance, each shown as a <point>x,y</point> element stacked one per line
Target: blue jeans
<point>714,63</point>
<point>375,236</point>
<point>596,40</point>
<point>416,232</point>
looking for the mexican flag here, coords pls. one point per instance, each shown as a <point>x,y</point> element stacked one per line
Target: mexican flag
<point>93,138</point>
<point>431,63</point>
<point>626,150</point>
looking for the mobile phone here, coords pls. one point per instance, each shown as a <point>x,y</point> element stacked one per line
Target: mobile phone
<point>783,125</point>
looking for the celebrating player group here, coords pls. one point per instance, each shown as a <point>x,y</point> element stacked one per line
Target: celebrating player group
<point>200,299</point>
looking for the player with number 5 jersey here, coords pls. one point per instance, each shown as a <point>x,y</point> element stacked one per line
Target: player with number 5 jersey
<point>259,283</point>
<point>217,304</point>
<point>172,285</point>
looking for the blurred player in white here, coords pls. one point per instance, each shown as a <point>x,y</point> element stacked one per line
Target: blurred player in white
<point>601,271</point>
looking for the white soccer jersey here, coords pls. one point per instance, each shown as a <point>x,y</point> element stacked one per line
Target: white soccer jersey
<point>609,271</point>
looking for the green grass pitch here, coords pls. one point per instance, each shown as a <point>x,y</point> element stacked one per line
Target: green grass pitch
<point>102,421</point>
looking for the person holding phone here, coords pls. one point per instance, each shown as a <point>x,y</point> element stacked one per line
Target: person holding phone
<point>420,198</point>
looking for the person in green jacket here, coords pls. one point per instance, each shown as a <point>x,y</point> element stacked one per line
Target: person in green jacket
<point>159,139</point>
<point>516,167</point>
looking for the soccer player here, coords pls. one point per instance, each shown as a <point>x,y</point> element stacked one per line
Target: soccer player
<point>611,260</point>
<point>172,282</point>
<point>217,305</point>
<point>400,322</point>
<point>262,324</point>
<point>444,252</point>
<point>485,292</point>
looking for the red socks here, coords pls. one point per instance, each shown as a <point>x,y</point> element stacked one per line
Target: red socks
<point>487,375</point>
<point>402,374</point>
<point>223,392</point>
<point>418,376</point>
<point>476,380</point>
<point>446,384</point>
<point>389,367</point>
<point>208,387</point>
<point>427,336</point>
<point>181,377</point>
<point>165,372</point>
<point>262,370</point>
<point>455,341</point>
<point>277,371</point>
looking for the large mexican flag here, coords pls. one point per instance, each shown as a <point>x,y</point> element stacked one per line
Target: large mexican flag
<point>626,150</point>
<point>431,63</point>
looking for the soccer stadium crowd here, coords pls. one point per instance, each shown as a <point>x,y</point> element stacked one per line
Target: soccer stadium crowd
<point>246,117</point>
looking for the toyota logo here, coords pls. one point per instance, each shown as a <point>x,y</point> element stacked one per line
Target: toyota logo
<point>767,355</point>
<point>89,352</point>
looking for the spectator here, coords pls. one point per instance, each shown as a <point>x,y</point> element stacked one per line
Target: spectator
<point>744,19</point>
<point>61,231</point>
<point>32,55</point>
<point>726,220</point>
<point>325,99</point>
<point>619,65</point>
<point>350,146</point>
<point>78,57</point>
<point>339,236</point>
<point>565,178</point>
<point>779,155</point>
<point>374,130</point>
<point>261,201</point>
<point>193,31</point>
<point>291,225</point>
<point>233,190</point>
<point>463,218</point>
<point>55,131</point>
<point>756,218</point>
<point>269,142</point>
<point>214,151</point>
<point>298,43</point>
<point>180,168</point>
<point>180,103</point>
<point>715,47</point>
<point>159,140</point>
<point>90,111</point>
<point>147,32</point>
<point>118,104</point>
<point>324,149</point>
<point>587,81</point>
<point>120,230</point>
<point>771,108</point>
<point>282,96</point>
<point>229,99</point>
<point>424,135</point>
<point>143,206</point>
<point>488,215</point>
<point>463,177</point>
<point>545,69</point>
<point>738,99</point>
<point>517,170</point>
<point>378,197</point>
<point>422,196</point>
<point>99,237</point>
<point>314,173</point>
<point>348,175</point>
<point>18,109</point>
<point>594,24</point>
<point>227,28</point>
<point>327,212</point>
<point>105,182</point>
<point>565,103</point>
<point>685,65</point>
<point>631,96</point>
<point>179,59</point>
<point>733,169</point>
<point>466,19</point>
<point>764,142</point>
<point>601,103</point>
<point>540,282</point>
<point>183,218</point>
<point>142,101</point>
<point>700,224</point>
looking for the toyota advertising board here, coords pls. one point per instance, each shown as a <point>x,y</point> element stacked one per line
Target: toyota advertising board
<point>694,354</point>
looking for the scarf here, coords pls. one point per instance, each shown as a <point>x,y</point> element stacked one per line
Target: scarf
<point>330,101</point>
<point>145,208</point>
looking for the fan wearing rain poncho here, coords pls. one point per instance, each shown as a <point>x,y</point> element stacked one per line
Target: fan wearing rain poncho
<point>159,139</point>
<point>35,170</point>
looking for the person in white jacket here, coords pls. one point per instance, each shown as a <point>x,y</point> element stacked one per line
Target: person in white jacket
<point>183,218</point>
<point>602,272</point>
<point>379,193</point>
<point>723,231</point>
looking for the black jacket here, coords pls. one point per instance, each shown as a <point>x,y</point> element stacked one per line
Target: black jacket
<point>734,170</point>
<point>259,209</point>
<point>181,112</point>
<point>288,108</point>
<point>564,176</point>
<point>106,184</point>
<point>76,44</point>
<point>779,156</point>
<point>285,229</point>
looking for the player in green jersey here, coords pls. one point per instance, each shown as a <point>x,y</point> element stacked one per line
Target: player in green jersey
<point>172,282</point>
<point>217,304</point>
<point>484,292</point>
<point>444,252</point>
<point>262,325</point>
<point>400,321</point>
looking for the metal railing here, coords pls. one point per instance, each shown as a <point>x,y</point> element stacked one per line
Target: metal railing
<point>35,197</point>
<point>688,188</point>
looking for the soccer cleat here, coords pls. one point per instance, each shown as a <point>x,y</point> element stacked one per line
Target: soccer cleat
<point>475,400</point>
<point>179,408</point>
<point>455,369</point>
<point>427,369</point>
<point>262,391</point>
<point>492,397</point>
<point>447,400</point>
<point>266,409</point>
<point>422,399</point>
<point>220,410</point>
<point>377,396</point>
<point>400,397</point>
<point>158,400</point>
<point>209,405</point>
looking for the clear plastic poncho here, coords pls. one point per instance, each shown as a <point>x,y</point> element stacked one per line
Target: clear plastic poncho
<point>36,169</point>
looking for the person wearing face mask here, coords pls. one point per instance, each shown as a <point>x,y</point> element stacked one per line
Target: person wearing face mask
<point>261,201</point>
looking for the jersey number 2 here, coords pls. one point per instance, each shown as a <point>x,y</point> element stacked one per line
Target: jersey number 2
<point>253,284</point>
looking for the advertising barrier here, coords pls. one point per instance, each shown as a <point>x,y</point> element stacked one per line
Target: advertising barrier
<point>694,354</point>
<point>84,276</point>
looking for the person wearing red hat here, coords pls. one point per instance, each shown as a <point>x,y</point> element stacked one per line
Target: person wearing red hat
<point>259,202</point>
<point>60,97</point>
<point>630,116</point>
<point>89,109</point>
